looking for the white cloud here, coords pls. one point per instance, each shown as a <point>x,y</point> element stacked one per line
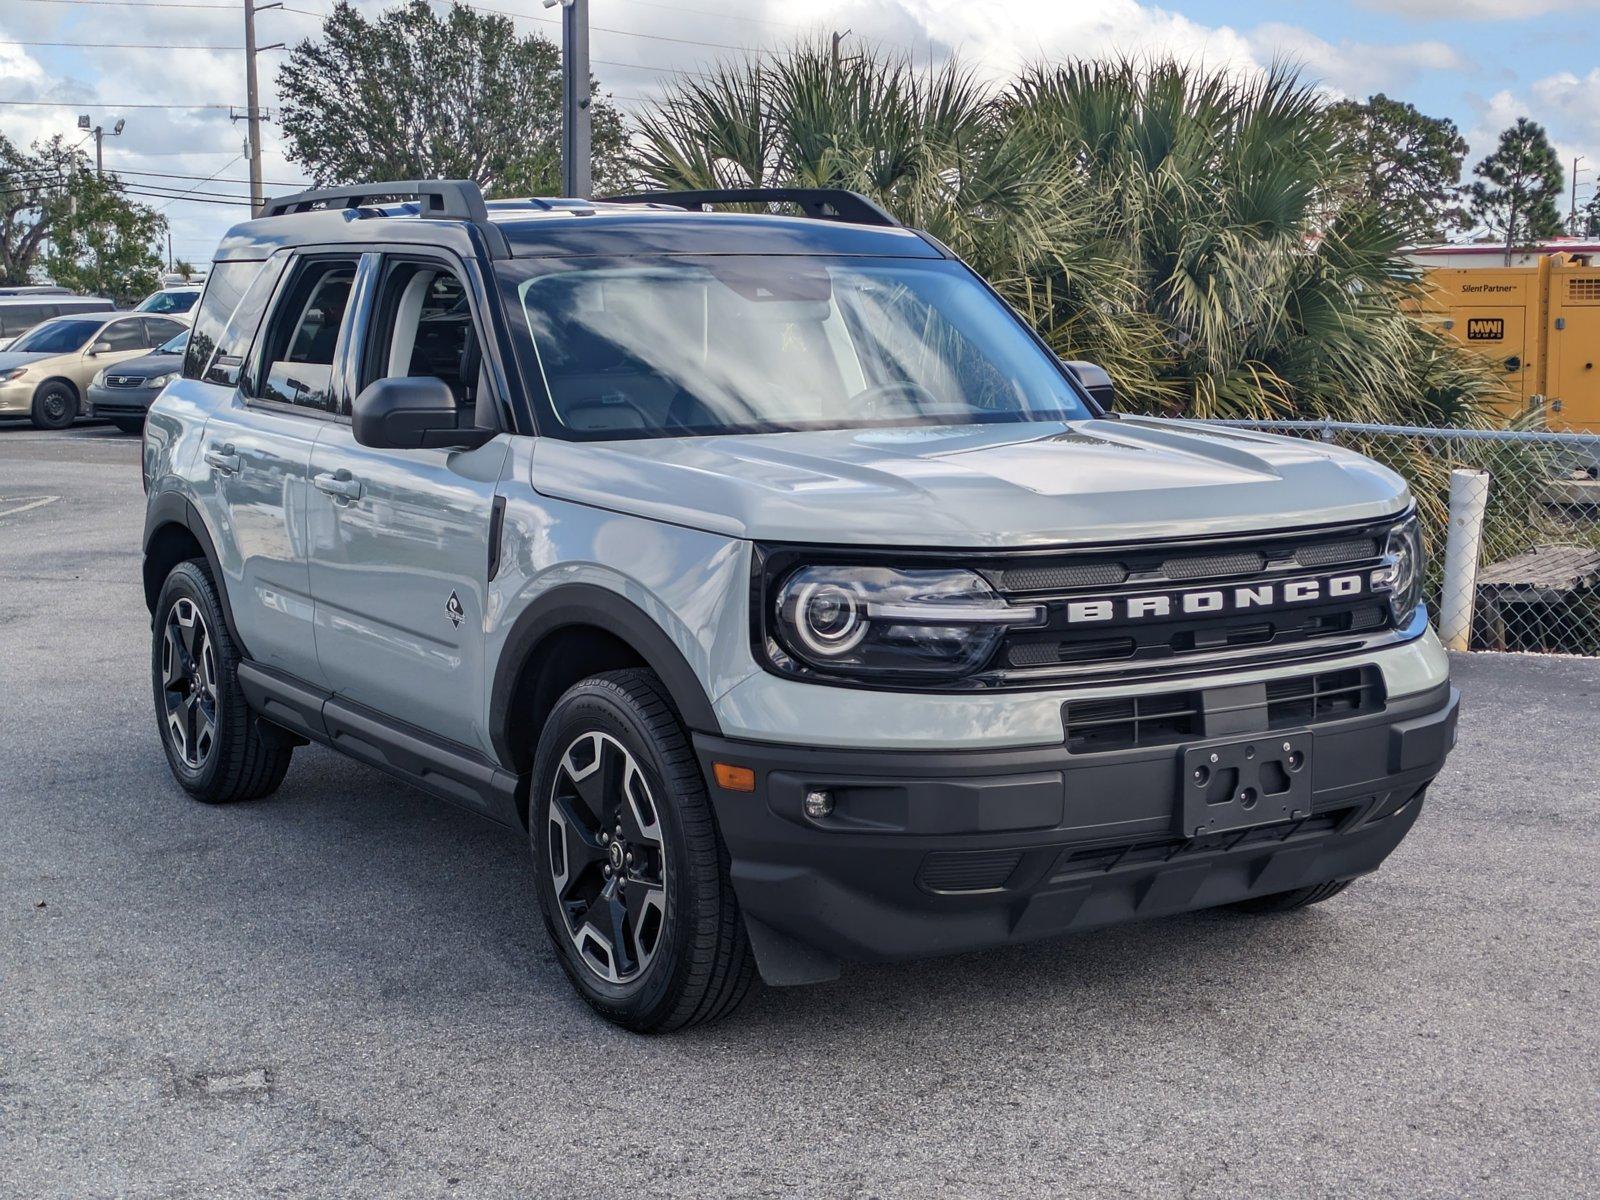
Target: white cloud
<point>1355,68</point>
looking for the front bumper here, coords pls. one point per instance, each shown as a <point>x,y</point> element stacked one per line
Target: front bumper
<point>930,853</point>
<point>120,402</point>
<point>17,396</point>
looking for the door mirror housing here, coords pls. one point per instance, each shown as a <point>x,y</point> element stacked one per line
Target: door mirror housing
<point>412,413</point>
<point>99,348</point>
<point>1094,380</point>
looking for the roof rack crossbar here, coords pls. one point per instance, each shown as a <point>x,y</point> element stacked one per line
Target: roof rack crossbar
<point>457,198</point>
<point>822,204</point>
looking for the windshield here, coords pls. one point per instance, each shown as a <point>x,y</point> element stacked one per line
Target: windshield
<point>176,346</point>
<point>168,302</point>
<point>678,347</point>
<point>60,336</point>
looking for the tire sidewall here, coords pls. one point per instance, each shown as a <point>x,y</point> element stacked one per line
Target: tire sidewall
<point>187,582</point>
<point>594,706</point>
<point>41,417</point>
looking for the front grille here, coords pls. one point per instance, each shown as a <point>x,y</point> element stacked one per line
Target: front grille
<point>1328,696</point>
<point>1156,606</point>
<point>1132,721</point>
<point>1166,718</point>
<point>124,381</point>
<point>967,871</point>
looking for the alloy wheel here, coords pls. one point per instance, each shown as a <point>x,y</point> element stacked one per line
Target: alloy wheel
<point>607,860</point>
<point>189,683</point>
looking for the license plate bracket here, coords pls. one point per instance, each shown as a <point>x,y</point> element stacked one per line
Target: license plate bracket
<point>1247,782</point>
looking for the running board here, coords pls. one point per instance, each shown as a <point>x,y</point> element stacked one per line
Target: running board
<point>445,769</point>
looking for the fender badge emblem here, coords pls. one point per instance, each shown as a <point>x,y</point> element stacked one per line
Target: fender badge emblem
<point>453,610</point>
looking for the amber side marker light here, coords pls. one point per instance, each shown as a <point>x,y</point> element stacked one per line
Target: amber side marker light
<point>734,779</point>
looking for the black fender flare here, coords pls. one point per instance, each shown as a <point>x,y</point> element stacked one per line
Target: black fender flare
<point>572,604</point>
<point>174,508</point>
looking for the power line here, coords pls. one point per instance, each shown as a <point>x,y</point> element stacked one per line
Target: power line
<point>103,104</point>
<point>118,45</point>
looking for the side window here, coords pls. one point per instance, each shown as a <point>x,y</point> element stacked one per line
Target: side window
<point>20,318</point>
<point>233,347</point>
<point>157,331</point>
<point>123,335</point>
<point>225,286</point>
<point>422,325</point>
<point>302,333</point>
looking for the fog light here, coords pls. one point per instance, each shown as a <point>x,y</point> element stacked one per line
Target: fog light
<point>819,805</point>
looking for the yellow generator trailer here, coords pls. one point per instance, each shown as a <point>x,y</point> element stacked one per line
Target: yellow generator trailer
<point>1539,325</point>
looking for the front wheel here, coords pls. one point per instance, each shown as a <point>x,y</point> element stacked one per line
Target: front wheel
<point>632,874</point>
<point>214,746</point>
<point>55,406</point>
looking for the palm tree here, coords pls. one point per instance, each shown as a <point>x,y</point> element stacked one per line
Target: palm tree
<point>1193,231</point>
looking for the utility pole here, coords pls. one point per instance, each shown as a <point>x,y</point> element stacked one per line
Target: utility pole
<point>1572,214</point>
<point>99,132</point>
<point>838,38</point>
<point>577,152</point>
<point>253,98</point>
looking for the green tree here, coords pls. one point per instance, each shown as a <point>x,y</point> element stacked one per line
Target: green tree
<point>414,95</point>
<point>1406,163</point>
<point>102,242</point>
<point>1520,187</point>
<point>1199,234</point>
<point>32,197</point>
<point>1589,217</point>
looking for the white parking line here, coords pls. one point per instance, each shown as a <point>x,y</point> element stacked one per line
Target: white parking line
<point>23,504</point>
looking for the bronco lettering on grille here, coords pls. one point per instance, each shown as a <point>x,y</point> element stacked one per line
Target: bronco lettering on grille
<point>1158,606</point>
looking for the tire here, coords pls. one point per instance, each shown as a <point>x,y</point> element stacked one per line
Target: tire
<point>55,405</point>
<point>644,921</point>
<point>1280,902</point>
<point>213,744</point>
<point>133,425</point>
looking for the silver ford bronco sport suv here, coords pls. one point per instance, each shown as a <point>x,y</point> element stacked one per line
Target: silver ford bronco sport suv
<point>774,579</point>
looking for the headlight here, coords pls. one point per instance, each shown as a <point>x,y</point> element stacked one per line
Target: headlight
<point>13,373</point>
<point>157,381</point>
<point>1402,571</point>
<point>99,380</point>
<point>879,622</point>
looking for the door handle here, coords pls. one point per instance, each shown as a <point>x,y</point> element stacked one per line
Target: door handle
<point>223,459</point>
<point>340,484</point>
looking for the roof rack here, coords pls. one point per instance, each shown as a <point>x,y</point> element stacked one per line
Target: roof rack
<point>822,204</point>
<point>449,199</point>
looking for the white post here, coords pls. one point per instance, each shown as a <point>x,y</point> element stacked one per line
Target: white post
<point>1469,495</point>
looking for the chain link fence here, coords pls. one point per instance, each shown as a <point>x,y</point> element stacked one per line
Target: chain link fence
<point>1511,521</point>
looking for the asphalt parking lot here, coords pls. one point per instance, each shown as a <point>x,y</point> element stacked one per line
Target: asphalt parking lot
<point>343,990</point>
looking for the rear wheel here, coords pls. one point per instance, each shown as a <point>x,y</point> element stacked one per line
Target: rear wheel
<point>632,874</point>
<point>1298,898</point>
<point>55,405</point>
<point>128,424</point>
<point>214,746</point>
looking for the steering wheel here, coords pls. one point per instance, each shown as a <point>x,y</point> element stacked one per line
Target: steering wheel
<point>870,399</point>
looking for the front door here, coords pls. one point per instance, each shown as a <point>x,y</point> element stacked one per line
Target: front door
<point>258,449</point>
<point>400,538</point>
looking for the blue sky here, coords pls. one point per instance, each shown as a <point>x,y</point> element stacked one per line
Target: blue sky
<point>1480,62</point>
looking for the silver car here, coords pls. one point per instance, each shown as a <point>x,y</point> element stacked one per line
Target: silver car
<point>773,579</point>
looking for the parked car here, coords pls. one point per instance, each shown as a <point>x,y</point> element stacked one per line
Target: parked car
<point>177,302</point>
<point>21,312</point>
<point>34,289</point>
<point>122,393</point>
<point>773,579</point>
<point>47,370</point>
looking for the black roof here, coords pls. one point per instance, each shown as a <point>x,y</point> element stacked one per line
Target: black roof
<point>540,228</point>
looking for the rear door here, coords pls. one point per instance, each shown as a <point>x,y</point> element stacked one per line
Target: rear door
<point>400,538</point>
<point>258,449</point>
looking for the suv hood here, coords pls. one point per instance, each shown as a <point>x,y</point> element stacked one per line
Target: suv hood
<point>976,486</point>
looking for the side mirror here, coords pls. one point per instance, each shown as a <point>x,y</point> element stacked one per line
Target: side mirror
<point>99,348</point>
<point>1095,381</point>
<point>412,413</point>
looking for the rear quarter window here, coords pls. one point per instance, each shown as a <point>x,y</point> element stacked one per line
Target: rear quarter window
<point>225,287</point>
